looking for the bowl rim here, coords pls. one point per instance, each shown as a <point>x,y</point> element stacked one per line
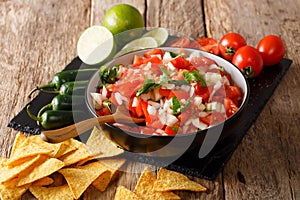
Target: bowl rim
<point>141,136</point>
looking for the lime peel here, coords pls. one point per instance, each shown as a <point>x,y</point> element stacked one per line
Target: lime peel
<point>159,34</point>
<point>95,45</point>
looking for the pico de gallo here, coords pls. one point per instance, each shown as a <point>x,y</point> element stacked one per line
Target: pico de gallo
<point>176,93</point>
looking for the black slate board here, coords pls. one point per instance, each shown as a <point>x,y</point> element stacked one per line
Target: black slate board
<point>261,89</point>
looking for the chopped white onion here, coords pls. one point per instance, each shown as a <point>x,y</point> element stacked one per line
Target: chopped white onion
<point>171,67</point>
<point>151,110</point>
<point>211,78</point>
<point>196,122</point>
<point>134,102</point>
<point>118,97</point>
<point>167,57</point>
<point>171,120</point>
<point>185,88</point>
<point>104,92</point>
<point>97,100</point>
<point>197,101</point>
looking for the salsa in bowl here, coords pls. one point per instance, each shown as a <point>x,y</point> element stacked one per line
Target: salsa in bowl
<point>179,92</point>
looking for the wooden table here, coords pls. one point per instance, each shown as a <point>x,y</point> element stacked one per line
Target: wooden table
<point>38,38</point>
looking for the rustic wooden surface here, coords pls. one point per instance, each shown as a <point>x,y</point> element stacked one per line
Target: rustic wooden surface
<point>38,38</point>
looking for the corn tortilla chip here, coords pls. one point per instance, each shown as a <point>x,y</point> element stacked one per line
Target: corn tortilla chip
<point>79,179</point>
<point>102,181</point>
<point>144,188</point>
<point>7,173</point>
<point>100,145</point>
<point>113,165</point>
<point>67,146</point>
<point>20,139</point>
<point>123,193</point>
<point>12,193</point>
<point>43,181</point>
<point>27,151</point>
<point>54,193</point>
<point>81,153</point>
<point>46,168</point>
<point>169,180</point>
<point>53,147</point>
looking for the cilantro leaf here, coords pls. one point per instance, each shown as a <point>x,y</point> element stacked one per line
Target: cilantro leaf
<point>195,76</point>
<point>148,86</point>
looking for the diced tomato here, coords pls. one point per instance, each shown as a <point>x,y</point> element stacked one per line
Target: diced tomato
<point>206,120</point>
<point>234,93</point>
<point>184,116</point>
<point>228,76</point>
<point>203,92</point>
<point>202,63</point>
<point>137,61</point>
<point>153,59</point>
<point>164,92</point>
<point>213,118</point>
<point>170,130</point>
<point>139,110</point>
<point>144,105</point>
<point>156,124</point>
<point>179,94</point>
<point>230,107</point>
<point>103,111</point>
<point>180,63</point>
<point>152,52</point>
<point>155,69</point>
<point>128,89</point>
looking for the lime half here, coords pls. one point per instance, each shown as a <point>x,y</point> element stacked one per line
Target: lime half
<point>159,34</point>
<point>143,42</point>
<point>95,45</point>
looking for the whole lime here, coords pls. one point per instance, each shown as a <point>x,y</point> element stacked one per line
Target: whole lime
<point>122,17</point>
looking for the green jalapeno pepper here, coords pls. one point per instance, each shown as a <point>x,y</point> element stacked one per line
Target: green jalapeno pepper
<point>70,88</point>
<point>63,102</point>
<point>66,76</point>
<point>53,119</point>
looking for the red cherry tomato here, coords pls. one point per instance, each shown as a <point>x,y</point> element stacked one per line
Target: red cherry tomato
<point>271,49</point>
<point>249,61</point>
<point>230,43</point>
<point>180,42</point>
<point>206,44</point>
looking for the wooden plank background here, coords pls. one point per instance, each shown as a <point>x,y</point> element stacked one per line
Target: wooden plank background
<point>38,38</point>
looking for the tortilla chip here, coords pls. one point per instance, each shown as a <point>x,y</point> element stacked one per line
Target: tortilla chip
<point>101,146</point>
<point>53,147</point>
<point>54,193</point>
<point>22,153</point>
<point>79,179</point>
<point>113,165</point>
<point>43,181</point>
<point>68,146</point>
<point>123,193</point>
<point>46,168</point>
<point>19,140</point>
<point>73,157</point>
<point>12,193</point>
<point>7,173</point>
<point>144,188</point>
<point>169,180</point>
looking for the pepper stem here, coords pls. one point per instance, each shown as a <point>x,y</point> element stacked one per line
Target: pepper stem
<point>50,85</point>
<point>43,109</point>
<point>38,119</point>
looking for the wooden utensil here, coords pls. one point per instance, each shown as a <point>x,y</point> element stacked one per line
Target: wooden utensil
<point>62,134</point>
